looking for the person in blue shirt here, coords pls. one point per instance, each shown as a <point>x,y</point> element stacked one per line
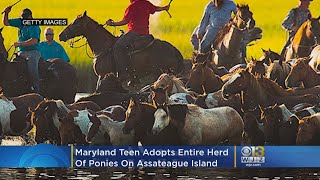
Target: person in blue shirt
<point>216,14</point>
<point>50,48</point>
<point>28,43</point>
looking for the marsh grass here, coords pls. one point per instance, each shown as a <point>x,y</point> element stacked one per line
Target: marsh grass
<point>186,14</point>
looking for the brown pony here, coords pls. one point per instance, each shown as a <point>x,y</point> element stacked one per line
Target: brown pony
<point>270,56</point>
<point>304,40</point>
<point>302,72</point>
<point>309,131</point>
<point>227,45</point>
<point>160,55</point>
<point>278,71</point>
<point>256,67</point>
<point>252,135</point>
<point>202,79</point>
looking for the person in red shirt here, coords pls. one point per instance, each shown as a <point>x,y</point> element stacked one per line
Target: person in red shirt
<point>137,17</point>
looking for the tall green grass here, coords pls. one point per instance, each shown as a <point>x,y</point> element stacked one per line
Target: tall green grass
<point>186,15</point>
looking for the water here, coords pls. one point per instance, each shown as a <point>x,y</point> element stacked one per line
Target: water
<point>109,173</point>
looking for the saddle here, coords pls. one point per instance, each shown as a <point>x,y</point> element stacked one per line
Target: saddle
<point>141,43</point>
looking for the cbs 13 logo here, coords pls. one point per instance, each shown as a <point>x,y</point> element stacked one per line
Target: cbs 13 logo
<point>254,151</point>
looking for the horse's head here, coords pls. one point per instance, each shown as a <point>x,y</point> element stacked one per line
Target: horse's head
<point>96,122</point>
<point>110,83</point>
<point>133,116</point>
<point>201,57</point>
<point>161,119</point>
<point>244,18</point>
<point>70,133</point>
<point>201,101</point>
<point>271,118</point>
<point>237,83</point>
<point>297,74</point>
<point>159,96</point>
<point>42,118</point>
<point>314,26</point>
<point>269,56</point>
<point>257,67</point>
<point>164,81</point>
<point>198,76</point>
<point>76,28</point>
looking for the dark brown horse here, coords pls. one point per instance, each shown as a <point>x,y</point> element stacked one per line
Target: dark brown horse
<point>280,125</point>
<point>140,118</point>
<point>252,135</point>
<point>304,40</point>
<point>302,72</point>
<point>203,79</point>
<point>270,56</point>
<point>160,55</point>
<point>257,68</point>
<point>227,45</point>
<point>110,83</point>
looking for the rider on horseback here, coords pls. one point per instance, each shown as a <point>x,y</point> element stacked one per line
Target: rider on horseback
<point>217,14</point>
<point>295,18</point>
<point>137,17</point>
<point>28,44</point>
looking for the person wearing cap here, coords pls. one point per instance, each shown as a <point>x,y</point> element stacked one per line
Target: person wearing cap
<point>295,18</point>
<point>137,18</point>
<point>28,43</point>
<point>50,48</point>
<point>216,14</point>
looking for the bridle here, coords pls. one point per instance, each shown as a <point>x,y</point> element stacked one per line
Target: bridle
<point>246,23</point>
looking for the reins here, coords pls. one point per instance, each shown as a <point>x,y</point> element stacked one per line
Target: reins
<point>71,44</point>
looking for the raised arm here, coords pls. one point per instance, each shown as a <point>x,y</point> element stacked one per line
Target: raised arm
<point>5,19</point>
<point>165,8</point>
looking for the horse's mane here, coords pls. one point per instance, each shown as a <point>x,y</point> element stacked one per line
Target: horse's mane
<point>96,24</point>
<point>179,84</point>
<point>271,86</point>
<point>300,33</point>
<point>222,32</point>
<point>176,81</point>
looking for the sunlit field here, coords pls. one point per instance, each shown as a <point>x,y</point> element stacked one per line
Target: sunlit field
<point>186,14</point>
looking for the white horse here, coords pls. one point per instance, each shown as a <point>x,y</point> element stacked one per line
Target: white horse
<point>197,126</point>
<point>315,59</point>
<point>85,126</point>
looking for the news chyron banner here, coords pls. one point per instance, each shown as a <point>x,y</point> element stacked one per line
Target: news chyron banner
<point>46,155</point>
